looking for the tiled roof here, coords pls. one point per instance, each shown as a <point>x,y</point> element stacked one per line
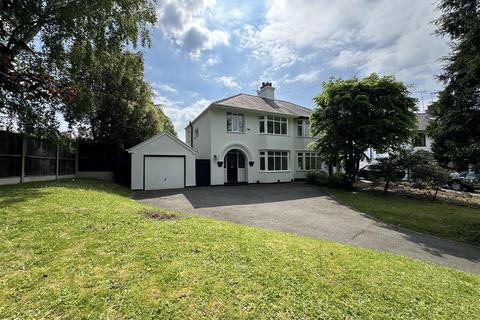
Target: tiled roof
<point>423,121</point>
<point>256,103</point>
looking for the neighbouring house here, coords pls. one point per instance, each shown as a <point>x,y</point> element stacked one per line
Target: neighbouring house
<point>252,139</point>
<point>422,141</point>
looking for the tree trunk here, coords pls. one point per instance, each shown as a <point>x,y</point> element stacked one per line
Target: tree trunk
<point>386,186</point>
<point>435,194</point>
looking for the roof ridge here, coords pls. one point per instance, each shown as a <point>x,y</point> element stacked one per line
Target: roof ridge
<point>251,95</point>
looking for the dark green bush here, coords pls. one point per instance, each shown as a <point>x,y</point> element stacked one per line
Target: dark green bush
<point>322,179</point>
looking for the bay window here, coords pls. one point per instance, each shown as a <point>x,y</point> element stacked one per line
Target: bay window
<point>303,128</point>
<point>273,160</point>
<point>273,125</point>
<point>308,161</point>
<point>235,122</point>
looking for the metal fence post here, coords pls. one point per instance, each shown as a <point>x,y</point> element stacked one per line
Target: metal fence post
<point>24,151</point>
<point>76,161</point>
<point>57,162</point>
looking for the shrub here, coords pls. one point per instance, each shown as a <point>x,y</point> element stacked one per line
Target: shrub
<point>322,179</point>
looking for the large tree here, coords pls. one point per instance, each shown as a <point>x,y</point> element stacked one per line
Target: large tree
<point>115,100</point>
<point>353,115</point>
<point>456,125</point>
<point>36,38</point>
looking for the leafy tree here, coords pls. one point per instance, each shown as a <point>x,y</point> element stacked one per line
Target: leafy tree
<point>115,100</point>
<point>354,115</point>
<point>427,174</point>
<point>393,168</point>
<point>36,40</point>
<point>456,127</point>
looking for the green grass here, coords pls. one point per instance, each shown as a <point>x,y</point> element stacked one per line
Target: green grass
<point>436,218</point>
<point>83,249</point>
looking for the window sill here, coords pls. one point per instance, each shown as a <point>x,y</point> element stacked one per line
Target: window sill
<point>237,132</point>
<point>279,171</point>
<point>274,134</point>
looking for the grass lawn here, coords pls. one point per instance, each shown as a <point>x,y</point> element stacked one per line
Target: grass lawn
<point>83,250</point>
<point>436,218</point>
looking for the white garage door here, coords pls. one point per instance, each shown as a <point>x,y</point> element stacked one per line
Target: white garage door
<point>164,172</point>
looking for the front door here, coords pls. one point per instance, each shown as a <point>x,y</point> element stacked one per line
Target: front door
<point>232,167</point>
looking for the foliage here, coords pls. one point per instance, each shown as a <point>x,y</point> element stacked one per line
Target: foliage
<point>323,179</point>
<point>392,168</point>
<point>77,248</point>
<point>456,126</point>
<point>115,100</point>
<point>441,219</point>
<point>354,115</point>
<point>427,174</point>
<point>36,40</point>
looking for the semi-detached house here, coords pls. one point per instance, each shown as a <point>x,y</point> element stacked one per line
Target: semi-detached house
<point>252,139</point>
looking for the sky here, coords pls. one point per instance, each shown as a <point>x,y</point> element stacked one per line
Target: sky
<point>206,50</point>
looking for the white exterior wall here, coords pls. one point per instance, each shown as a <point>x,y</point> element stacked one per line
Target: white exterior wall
<point>202,143</point>
<point>162,146</point>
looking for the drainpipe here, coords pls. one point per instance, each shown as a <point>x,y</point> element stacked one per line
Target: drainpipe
<point>191,133</point>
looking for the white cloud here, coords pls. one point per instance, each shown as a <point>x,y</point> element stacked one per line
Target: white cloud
<point>184,22</point>
<point>310,76</point>
<point>164,88</point>
<point>228,81</point>
<point>181,116</point>
<point>368,36</point>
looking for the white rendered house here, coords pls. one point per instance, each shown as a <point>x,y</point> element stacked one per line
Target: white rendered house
<point>252,139</point>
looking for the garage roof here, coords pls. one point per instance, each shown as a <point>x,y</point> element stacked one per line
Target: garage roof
<point>159,136</point>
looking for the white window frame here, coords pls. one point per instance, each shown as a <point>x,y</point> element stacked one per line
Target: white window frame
<point>304,155</point>
<point>282,155</point>
<point>305,124</point>
<point>281,121</point>
<point>237,122</point>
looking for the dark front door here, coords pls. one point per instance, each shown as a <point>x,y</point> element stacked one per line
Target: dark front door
<point>232,167</point>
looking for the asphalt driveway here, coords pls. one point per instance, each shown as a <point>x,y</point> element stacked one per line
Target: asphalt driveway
<point>306,210</point>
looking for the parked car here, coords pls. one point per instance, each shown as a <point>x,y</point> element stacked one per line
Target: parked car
<point>370,172</point>
<point>464,181</point>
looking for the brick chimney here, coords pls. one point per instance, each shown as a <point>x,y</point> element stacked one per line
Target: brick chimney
<point>266,91</point>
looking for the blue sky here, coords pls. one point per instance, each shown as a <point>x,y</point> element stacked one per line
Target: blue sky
<point>205,50</point>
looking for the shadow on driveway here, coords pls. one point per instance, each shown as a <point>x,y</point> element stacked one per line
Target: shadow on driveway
<point>306,210</point>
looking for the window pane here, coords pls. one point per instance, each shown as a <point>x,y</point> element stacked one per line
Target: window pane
<point>284,119</point>
<point>285,153</point>
<point>262,163</point>
<point>319,164</point>
<point>270,163</point>
<point>284,128</point>
<point>240,122</point>
<point>277,127</point>
<point>235,122</point>
<point>241,161</point>
<point>262,124</point>
<point>270,118</point>
<point>284,163</point>
<point>300,130</point>
<point>229,121</point>
<point>307,162</point>
<point>278,164</point>
<point>270,126</point>
<point>270,153</point>
<point>307,129</point>
<point>277,153</point>
<point>300,162</point>
<point>262,153</point>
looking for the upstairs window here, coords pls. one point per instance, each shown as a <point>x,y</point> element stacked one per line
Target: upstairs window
<point>235,122</point>
<point>273,125</point>
<point>195,133</point>
<point>303,128</point>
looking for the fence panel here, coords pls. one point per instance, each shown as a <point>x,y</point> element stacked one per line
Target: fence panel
<point>10,154</point>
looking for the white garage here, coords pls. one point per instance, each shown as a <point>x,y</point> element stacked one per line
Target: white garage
<point>162,162</point>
